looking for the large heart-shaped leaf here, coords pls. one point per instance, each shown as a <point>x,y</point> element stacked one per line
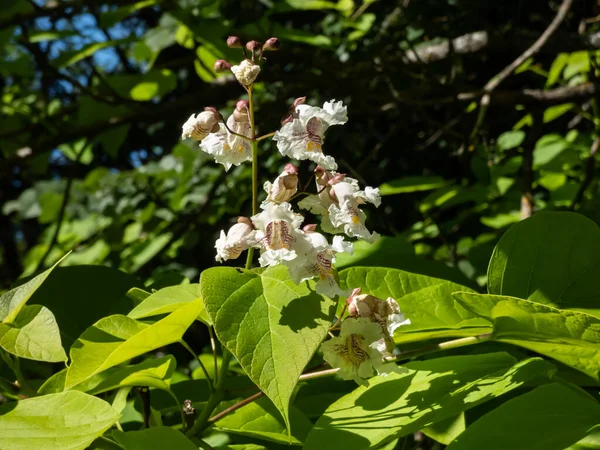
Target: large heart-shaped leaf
<point>12,302</point>
<point>551,417</point>
<point>116,339</point>
<point>65,421</point>
<point>270,324</point>
<point>167,300</point>
<point>428,392</point>
<point>426,301</point>
<point>571,337</point>
<point>551,258</point>
<point>33,334</point>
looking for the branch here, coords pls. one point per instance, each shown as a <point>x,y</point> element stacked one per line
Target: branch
<point>479,41</point>
<point>508,70</point>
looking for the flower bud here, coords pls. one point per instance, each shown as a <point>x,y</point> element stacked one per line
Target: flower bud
<point>290,168</point>
<point>234,42</point>
<point>246,72</point>
<point>215,111</point>
<point>240,237</point>
<point>271,44</point>
<point>285,185</point>
<point>253,46</point>
<point>198,126</point>
<point>240,113</point>
<point>222,66</point>
<point>310,228</point>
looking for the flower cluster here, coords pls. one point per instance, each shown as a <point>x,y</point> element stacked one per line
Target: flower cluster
<point>279,232</point>
<point>366,338</point>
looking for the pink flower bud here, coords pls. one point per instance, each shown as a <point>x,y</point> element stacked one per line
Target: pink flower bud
<point>216,112</point>
<point>253,45</point>
<point>222,66</point>
<point>234,42</point>
<point>271,44</point>
<point>241,112</point>
<point>242,105</point>
<point>246,220</point>
<point>290,168</point>
<point>310,228</point>
<point>298,101</point>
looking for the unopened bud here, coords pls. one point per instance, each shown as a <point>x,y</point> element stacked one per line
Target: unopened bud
<point>310,228</point>
<point>271,44</point>
<point>234,42</point>
<point>290,168</point>
<point>216,112</point>
<point>240,113</point>
<point>253,45</point>
<point>222,66</point>
<point>245,220</point>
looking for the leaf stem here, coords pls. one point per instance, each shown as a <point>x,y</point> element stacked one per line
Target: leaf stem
<point>238,405</point>
<point>202,366</point>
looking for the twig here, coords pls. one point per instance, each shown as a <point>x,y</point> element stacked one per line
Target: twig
<point>527,203</point>
<point>590,166</point>
<point>232,408</point>
<point>508,70</point>
<point>145,397</point>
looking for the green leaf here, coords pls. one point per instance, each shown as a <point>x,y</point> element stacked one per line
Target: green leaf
<point>556,68</point>
<point>447,430</point>
<point>428,392</point>
<point>154,438</point>
<point>427,301</point>
<point>271,325</point>
<point>12,302</point>
<point>168,300</point>
<point>510,139</point>
<point>261,420</point>
<point>79,296</point>
<point>551,258</point>
<point>116,339</point>
<point>547,148</point>
<point>71,57</point>
<point>33,335</point>
<point>69,420</point>
<point>570,337</point>
<point>411,184</point>
<point>551,417</point>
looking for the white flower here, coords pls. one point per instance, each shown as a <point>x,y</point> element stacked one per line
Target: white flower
<point>199,126</point>
<point>302,138</point>
<point>315,258</point>
<point>284,187</point>
<point>226,148</point>
<point>384,312</point>
<point>246,72</point>
<point>239,238</point>
<point>355,351</point>
<point>277,233</point>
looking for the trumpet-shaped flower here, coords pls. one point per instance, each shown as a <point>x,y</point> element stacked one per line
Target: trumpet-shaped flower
<point>355,351</point>
<point>315,259</point>
<point>284,187</point>
<point>384,312</point>
<point>229,149</point>
<point>302,137</point>
<point>277,233</point>
<point>239,238</point>
<point>199,126</point>
<point>246,72</point>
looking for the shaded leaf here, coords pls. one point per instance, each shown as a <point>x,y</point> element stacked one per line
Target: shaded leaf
<point>154,438</point>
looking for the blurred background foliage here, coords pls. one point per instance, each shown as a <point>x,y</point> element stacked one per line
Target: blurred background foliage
<point>94,93</point>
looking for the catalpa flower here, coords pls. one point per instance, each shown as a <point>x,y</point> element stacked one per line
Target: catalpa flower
<point>278,231</point>
<point>284,187</point>
<point>239,238</point>
<point>229,149</point>
<point>315,259</point>
<point>302,137</point>
<point>384,312</point>
<point>355,351</point>
<point>199,126</point>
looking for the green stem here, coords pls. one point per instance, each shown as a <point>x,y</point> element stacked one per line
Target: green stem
<point>254,170</point>
<point>15,366</point>
<point>266,136</point>
<point>214,399</point>
<point>202,366</point>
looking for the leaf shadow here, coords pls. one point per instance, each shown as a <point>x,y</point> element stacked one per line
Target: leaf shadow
<point>303,312</point>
